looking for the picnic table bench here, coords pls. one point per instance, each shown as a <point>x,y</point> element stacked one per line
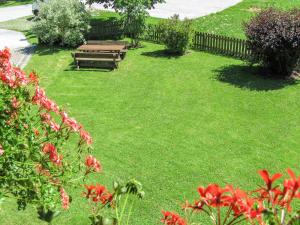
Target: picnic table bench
<point>109,57</point>
<point>108,52</point>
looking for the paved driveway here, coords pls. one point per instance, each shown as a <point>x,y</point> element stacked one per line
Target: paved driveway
<point>15,12</point>
<point>16,41</point>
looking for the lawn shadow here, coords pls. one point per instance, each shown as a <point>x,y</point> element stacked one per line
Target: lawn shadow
<point>72,68</point>
<point>254,78</point>
<point>160,54</point>
<point>42,50</point>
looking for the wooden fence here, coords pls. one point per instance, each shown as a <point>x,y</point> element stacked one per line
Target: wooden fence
<point>223,45</point>
<point>217,44</point>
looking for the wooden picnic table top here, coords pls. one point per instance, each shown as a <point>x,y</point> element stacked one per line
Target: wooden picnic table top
<point>99,48</point>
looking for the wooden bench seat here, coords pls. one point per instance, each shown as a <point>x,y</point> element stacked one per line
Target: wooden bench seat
<point>96,57</point>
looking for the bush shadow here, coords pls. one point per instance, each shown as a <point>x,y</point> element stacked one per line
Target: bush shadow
<point>253,78</point>
<point>43,50</point>
<point>161,54</point>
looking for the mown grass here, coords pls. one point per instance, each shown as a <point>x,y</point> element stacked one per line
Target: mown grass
<point>230,21</point>
<point>175,123</point>
<point>14,3</point>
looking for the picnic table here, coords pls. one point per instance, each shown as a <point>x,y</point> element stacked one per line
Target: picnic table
<point>100,51</point>
<point>102,48</point>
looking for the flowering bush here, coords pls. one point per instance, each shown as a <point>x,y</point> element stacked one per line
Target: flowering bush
<point>63,22</point>
<point>269,205</point>
<point>36,165</point>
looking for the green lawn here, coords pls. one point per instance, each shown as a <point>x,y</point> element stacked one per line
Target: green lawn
<point>14,3</point>
<point>230,21</point>
<point>175,123</point>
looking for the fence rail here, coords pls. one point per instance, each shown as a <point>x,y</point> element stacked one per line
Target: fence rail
<point>217,44</point>
<point>233,47</point>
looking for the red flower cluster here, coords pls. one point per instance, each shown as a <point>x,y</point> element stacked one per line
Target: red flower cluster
<point>242,205</point>
<point>276,196</point>
<point>85,136</point>
<point>53,155</point>
<point>92,164</point>
<point>98,193</point>
<point>1,150</point>
<point>171,218</point>
<point>41,99</point>
<point>64,199</point>
<point>70,122</point>
<point>47,119</point>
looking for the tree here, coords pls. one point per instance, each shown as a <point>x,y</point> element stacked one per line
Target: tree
<point>133,14</point>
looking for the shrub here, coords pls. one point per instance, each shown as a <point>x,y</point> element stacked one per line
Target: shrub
<point>176,34</point>
<point>36,165</point>
<point>269,204</point>
<point>63,22</point>
<point>275,35</point>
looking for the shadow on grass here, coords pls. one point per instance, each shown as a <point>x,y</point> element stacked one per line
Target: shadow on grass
<point>160,54</point>
<point>254,78</point>
<point>72,68</point>
<point>43,50</point>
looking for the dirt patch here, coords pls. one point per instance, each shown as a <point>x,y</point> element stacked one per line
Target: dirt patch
<point>254,10</point>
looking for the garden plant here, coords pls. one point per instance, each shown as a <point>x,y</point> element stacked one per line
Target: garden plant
<point>176,34</point>
<point>62,22</point>
<point>36,165</point>
<point>271,204</point>
<point>275,36</point>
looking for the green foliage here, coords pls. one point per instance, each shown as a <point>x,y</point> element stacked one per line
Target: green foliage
<point>133,14</point>
<point>176,34</point>
<point>63,22</point>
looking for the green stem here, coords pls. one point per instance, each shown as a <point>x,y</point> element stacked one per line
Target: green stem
<point>129,214</point>
<point>123,208</point>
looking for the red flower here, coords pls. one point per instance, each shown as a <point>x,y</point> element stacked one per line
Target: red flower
<point>170,218</point>
<point>5,54</point>
<point>64,199</point>
<point>34,78</point>
<point>36,132</point>
<point>54,126</point>
<point>70,122</point>
<point>53,155</point>
<point>41,99</point>
<point>214,195</point>
<point>291,190</point>
<point>269,180</point>
<point>92,164</point>
<point>98,193</point>
<point>42,171</point>
<point>86,137</point>
<point>1,150</point>
<point>15,103</point>
<point>46,117</point>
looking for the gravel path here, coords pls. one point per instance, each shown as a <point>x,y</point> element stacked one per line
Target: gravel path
<point>189,8</point>
<point>16,41</point>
